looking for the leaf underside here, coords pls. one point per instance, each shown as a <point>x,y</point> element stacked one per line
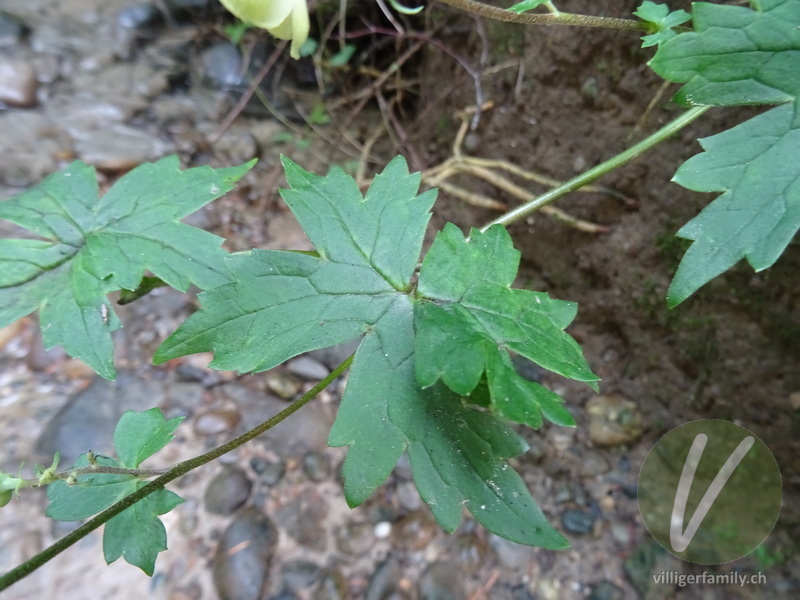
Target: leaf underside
<point>284,303</point>
<point>136,534</point>
<point>739,56</point>
<point>93,246</point>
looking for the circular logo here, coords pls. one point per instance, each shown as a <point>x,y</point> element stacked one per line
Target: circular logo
<point>710,491</point>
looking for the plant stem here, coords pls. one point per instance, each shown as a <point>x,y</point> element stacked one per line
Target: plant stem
<point>95,470</point>
<point>560,18</point>
<point>182,468</point>
<point>613,163</point>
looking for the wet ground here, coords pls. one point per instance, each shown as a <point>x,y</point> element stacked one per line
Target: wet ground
<point>116,83</point>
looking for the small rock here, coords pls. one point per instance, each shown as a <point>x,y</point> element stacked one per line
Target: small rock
<point>354,538</point>
<point>414,531</point>
<point>613,421</point>
<point>605,590</point>
<point>12,30</point>
<point>514,557</point>
<point>139,16</point>
<point>408,496</point>
<point>384,580</point>
<point>332,587</point>
<point>441,582</point>
<point>794,400</point>
<point>243,556</point>
<point>469,552</point>
<point>527,368</point>
<point>117,147</point>
<point>593,465</point>
<point>17,83</point>
<point>300,574</point>
<point>269,472</point>
<point>302,519</point>
<point>316,466</point>
<point>284,595</point>
<point>221,66</point>
<point>579,522</point>
<point>227,491</point>
<point>216,421</point>
<point>307,368</point>
<point>333,356</point>
<point>283,385</point>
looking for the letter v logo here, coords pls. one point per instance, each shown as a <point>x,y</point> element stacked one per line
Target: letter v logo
<point>679,539</point>
<point>710,491</point>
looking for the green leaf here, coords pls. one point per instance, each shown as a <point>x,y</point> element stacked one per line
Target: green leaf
<point>662,21</point>
<point>736,55</point>
<point>458,455</point>
<point>137,533</point>
<point>471,316</point>
<point>757,166</point>
<point>527,5</point>
<point>98,245</point>
<point>139,435</point>
<point>360,284</point>
<point>739,56</point>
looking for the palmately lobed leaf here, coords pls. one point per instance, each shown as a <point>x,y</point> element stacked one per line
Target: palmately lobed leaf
<point>98,245</point>
<point>284,303</point>
<point>736,55</point>
<point>469,317</point>
<point>136,534</point>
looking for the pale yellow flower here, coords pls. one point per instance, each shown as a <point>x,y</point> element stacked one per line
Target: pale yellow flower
<point>285,19</point>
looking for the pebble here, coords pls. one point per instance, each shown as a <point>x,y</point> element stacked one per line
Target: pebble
<point>117,147</point>
<point>302,518</point>
<point>414,531</point>
<point>269,472</point>
<point>333,356</point>
<point>243,556</point>
<point>17,83</point>
<point>613,421</point>
<point>221,66</point>
<point>441,581</point>
<point>469,552</point>
<point>12,30</point>
<point>606,590</point>
<point>88,419</point>
<point>300,574</point>
<point>307,368</point>
<point>579,522</point>
<point>216,421</point>
<point>527,368</point>
<point>408,496</point>
<point>354,538</point>
<point>316,466</point>
<point>794,400</point>
<point>227,491</point>
<point>139,16</point>
<point>514,557</point>
<point>283,385</point>
<point>332,587</point>
<point>593,465</point>
<point>384,580</point>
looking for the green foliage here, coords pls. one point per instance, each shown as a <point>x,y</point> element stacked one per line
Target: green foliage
<point>94,246</point>
<point>284,303</point>
<point>739,56</point>
<point>137,533</point>
<point>662,20</point>
<point>527,5</point>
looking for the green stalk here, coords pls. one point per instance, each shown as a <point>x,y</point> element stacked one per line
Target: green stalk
<point>182,468</point>
<point>551,18</point>
<point>613,163</point>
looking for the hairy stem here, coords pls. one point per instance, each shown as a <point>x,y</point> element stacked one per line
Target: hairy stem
<point>551,18</point>
<point>613,163</point>
<point>182,468</point>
